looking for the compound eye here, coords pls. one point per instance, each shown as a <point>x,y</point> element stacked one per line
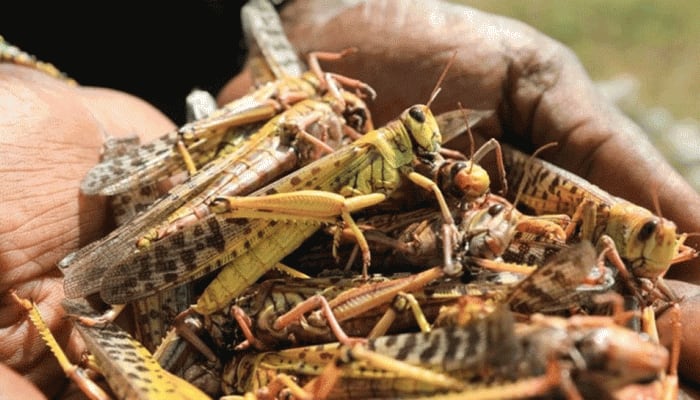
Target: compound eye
<point>417,114</point>
<point>495,209</point>
<point>647,230</point>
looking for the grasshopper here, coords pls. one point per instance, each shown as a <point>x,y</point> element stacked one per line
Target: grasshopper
<point>12,54</point>
<point>268,312</point>
<point>648,244</point>
<point>490,349</point>
<point>275,149</point>
<point>130,370</point>
<point>199,138</point>
<point>373,165</point>
<point>489,228</point>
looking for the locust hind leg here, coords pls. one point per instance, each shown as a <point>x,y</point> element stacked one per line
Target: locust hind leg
<point>315,67</point>
<point>72,371</point>
<point>309,205</point>
<point>669,379</point>
<point>402,302</point>
<point>322,385</point>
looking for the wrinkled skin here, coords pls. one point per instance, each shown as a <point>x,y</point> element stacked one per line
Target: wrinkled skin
<point>52,134</point>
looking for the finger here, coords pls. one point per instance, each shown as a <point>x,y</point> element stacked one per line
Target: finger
<point>52,134</point>
<point>121,114</point>
<point>237,87</point>
<point>15,386</point>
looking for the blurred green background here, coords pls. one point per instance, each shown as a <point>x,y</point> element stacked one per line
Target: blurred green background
<point>649,49</point>
<point>656,42</point>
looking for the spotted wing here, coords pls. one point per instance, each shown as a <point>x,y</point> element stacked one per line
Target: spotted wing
<point>217,241</point>
<point>552,287</point>
<point>264,35</point>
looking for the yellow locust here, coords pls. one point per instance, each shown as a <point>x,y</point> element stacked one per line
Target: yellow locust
<point>369,169</point>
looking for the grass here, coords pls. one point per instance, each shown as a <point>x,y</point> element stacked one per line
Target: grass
<point>656,42</point>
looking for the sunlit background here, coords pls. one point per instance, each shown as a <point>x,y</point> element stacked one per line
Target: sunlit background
<point>645,54</point>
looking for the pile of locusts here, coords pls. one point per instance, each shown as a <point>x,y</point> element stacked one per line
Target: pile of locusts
<point>468,296</point>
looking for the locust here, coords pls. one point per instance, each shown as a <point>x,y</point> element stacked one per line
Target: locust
<point>492,349</point>
<point>13,54</point>
<point>646,243</point>
<point>129,369</point>
<point>372,166</point>
<point>278,147</point>
<point>195,143</point>
<point>489,231</point>
<point>351,307</point>
<point>281,145</point>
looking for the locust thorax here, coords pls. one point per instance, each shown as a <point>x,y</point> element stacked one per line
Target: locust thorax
<point>422,128</point>
<point>647,242</point>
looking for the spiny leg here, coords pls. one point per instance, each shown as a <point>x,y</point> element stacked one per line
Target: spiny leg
<point>312,205</point>
<point>72,371</point>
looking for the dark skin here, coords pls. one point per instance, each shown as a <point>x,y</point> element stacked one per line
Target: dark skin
<point>52,134</point>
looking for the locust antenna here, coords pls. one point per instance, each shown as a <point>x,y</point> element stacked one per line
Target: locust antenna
<point>521,187</point>
<point>469,132</point>
<point>437,88</point>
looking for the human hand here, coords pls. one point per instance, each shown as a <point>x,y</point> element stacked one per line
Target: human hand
<point>537,86</point>
<point>539,89</point>
<point>52,134</point>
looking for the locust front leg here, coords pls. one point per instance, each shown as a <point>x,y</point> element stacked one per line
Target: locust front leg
<point>310,205</point>
<point>449,230</point>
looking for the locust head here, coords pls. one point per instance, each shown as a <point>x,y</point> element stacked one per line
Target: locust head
<point>463,179</point>
<point>649,243</point>
<point>422,128</point>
